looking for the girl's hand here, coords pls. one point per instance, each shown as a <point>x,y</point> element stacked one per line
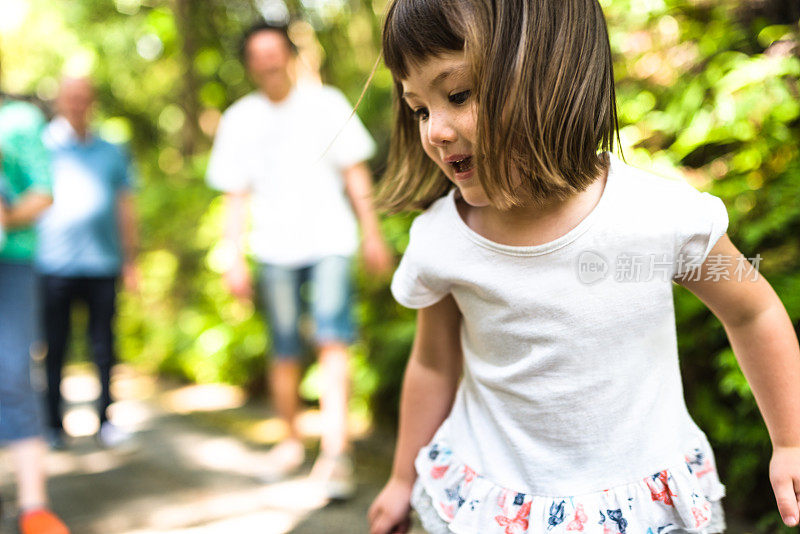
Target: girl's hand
<point>391,509</point>
<point>784,475</point>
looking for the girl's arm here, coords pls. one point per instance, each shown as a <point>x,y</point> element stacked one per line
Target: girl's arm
<point>429,387</point>
<point>764,342</point>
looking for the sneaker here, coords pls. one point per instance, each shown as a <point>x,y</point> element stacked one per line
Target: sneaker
<point>41,521</point>
<point>110,435</point>
<point>282,460</point>
<point>335,474</point>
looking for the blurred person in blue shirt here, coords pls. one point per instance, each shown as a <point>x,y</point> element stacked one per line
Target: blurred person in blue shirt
<point>87,239</point>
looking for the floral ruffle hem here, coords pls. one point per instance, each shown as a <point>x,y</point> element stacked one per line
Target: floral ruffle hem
<point>679,499</point>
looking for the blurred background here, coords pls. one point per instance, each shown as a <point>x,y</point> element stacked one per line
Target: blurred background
<point>707,90</point>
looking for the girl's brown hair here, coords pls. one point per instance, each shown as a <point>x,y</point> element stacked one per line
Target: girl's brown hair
<point>544,87</point>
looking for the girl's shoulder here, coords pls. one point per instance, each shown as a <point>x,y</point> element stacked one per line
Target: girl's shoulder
<point>420,279</point>
<point>434,219</point>
<point>638,182</point>
<point>670,209</point>
<point>652,193</point>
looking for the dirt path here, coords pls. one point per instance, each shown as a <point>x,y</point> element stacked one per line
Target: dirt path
<point>190,469</point>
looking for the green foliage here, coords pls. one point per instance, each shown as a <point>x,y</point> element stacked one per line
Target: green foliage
<point>710,91</point>
<point>707,91</point>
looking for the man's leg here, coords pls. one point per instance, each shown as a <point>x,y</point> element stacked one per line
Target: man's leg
<point>333,359</point>
<point>332,307</point>
<point>100,295</point>
<point>56,296</point>
<point>284,381</point>
<point>279,290</point>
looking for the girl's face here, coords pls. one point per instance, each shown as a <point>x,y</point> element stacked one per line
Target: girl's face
<point>439,93</point>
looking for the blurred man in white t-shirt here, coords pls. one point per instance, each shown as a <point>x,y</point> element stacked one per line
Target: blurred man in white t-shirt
<point>293,157</point>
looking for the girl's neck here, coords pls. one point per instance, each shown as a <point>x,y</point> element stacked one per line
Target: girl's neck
<point>534,225</point>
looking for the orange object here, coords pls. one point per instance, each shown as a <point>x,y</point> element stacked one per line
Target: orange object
<point>41,521</point>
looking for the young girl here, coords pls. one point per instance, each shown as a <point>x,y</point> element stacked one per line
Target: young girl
<point>543,392</point>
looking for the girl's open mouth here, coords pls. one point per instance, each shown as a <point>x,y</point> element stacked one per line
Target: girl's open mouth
<point>462,165</point>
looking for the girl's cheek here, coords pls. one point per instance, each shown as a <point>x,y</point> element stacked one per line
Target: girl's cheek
<point>430,151</point>
<point>426,147</point>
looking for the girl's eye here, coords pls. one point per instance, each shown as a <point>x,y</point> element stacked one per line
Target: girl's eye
<point>421,114</point>
<point>460,98</point>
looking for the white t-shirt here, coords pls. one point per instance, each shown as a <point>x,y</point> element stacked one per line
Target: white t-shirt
<point>290,156</point>
<point>571,383</point>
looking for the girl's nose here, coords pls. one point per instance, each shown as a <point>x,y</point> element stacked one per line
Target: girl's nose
<point>440,131</point>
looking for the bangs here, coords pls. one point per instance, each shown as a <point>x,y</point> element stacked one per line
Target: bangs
<point>417,29</point>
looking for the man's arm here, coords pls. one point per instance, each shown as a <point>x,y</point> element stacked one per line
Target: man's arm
<point>237,277</point>
<point>358,185</point>
<point>129,237</point>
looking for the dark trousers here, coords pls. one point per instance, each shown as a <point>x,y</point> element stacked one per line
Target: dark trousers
<point>58,295</point>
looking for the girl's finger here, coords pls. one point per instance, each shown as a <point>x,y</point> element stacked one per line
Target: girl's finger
<point>786,498</point>
<point>375,510</point>
<point>402,527</point>
<point>797,496</point>
<point>380,526</point>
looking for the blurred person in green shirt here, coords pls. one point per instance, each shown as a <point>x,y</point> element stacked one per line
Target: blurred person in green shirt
<point>25,182</point>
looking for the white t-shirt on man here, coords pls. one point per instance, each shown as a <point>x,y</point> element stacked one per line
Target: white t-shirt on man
<point>290,156</point>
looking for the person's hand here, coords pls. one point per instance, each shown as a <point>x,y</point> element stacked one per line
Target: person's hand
<point>784,475</point>
<point>237,278</point>
<point>131,277</point>
<point>391,509</point>
<point>377,257</point>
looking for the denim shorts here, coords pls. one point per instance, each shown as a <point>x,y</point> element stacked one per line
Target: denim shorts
<point>324,287</point>
<point>19,404</point>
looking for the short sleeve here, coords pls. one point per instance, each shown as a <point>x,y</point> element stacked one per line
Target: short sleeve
<point>351,142</point>
<point>226,170</point>
<point>415,283</point>
<point>31,155</point>
<point>703,220</point>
